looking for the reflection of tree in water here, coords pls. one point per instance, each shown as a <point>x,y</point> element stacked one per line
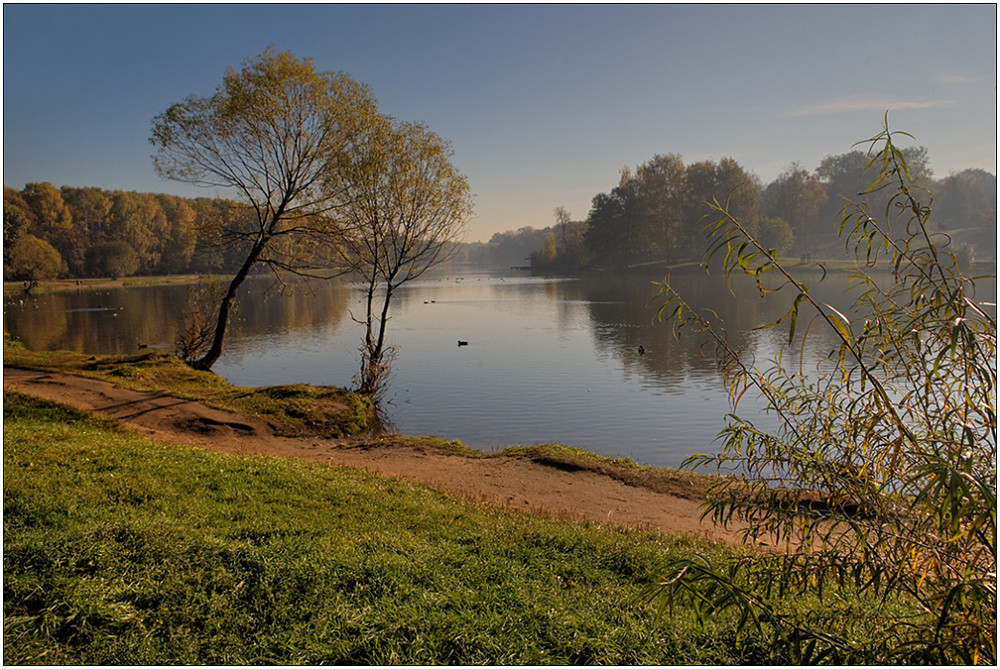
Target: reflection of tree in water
<point>21,319</point>
<point>95,320</point>
<point>623,310</point>
<point>119,320</point>
<point>315,305</point>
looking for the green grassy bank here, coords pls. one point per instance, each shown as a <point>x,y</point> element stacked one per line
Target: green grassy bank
<point>118,550</point>
<point>291,410</point>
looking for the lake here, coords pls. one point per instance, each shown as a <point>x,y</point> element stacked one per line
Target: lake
<point>547,360</point>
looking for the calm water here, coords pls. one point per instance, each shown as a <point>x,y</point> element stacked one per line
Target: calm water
<point>547,361</point>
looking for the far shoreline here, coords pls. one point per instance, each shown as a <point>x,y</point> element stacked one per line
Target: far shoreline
<point>831,266</point>
<point>67,285</point>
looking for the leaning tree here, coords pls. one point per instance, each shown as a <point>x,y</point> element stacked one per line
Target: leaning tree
<point>270,136</point>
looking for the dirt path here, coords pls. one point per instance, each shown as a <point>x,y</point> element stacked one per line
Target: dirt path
<point>506,481</point>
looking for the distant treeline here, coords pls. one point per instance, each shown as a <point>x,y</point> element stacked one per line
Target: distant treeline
<point>657,212</point>
<point>79,233</point>
<point>51,232</point>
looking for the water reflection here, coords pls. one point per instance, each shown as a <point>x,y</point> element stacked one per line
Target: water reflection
<point>547,360</point>
<point>118,320</point>
<point>96,321</point>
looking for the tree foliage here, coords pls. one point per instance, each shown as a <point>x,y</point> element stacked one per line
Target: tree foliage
<point>662,183</point>
<point>33,260</point>
<point>163,230</point>
<point>795,197</point>
<point>112,259</point>
<point>17,220</point>
<point>774,234</point>
<point>180,234</point>
<point>52,221</point>
<point>563,247</point>
<point>51,215</point>
<point>656,214</point>
<point>846,176</point>
<point>273,134</point>
<point>880,480</point>
<point>137,221</point>
<point>967,201</point>
<point>613,231</point>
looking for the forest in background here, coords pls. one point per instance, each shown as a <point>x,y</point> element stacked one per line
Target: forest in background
<point>657,211</point>
<point>79,233</point>
<point>70,232</point>
<point>653,215</point>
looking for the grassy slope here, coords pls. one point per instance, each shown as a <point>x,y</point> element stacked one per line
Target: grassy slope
<point>120,550</point>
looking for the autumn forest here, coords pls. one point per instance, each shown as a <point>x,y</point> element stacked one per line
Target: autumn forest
<point>654,214</point>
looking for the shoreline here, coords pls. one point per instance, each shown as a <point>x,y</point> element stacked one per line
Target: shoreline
<point>511,479</point>
<point>64,285</point>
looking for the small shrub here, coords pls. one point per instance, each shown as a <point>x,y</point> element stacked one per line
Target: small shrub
<point>881,477</point>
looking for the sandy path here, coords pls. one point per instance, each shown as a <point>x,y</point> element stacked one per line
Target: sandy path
<point>506,481</point>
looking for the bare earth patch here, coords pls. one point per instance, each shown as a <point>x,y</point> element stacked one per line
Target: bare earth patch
<point>512,482</point>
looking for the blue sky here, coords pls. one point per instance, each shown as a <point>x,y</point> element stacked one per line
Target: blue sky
<point>543,104</point>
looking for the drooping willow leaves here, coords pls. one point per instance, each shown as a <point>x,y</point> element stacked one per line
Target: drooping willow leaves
<point>880,480</point>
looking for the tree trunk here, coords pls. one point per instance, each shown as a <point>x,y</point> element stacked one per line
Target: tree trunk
<point>384,316</point>
<point>373,369</point>
<point>207,361</point>
<point>368,353</point>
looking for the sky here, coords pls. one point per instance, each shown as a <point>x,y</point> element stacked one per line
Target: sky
<point>543,104</point>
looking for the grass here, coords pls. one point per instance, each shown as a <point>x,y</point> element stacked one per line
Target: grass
<point>291,410</point>
<point>118,550</point>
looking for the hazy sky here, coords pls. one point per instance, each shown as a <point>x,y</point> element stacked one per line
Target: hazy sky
<point>544,104</point>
